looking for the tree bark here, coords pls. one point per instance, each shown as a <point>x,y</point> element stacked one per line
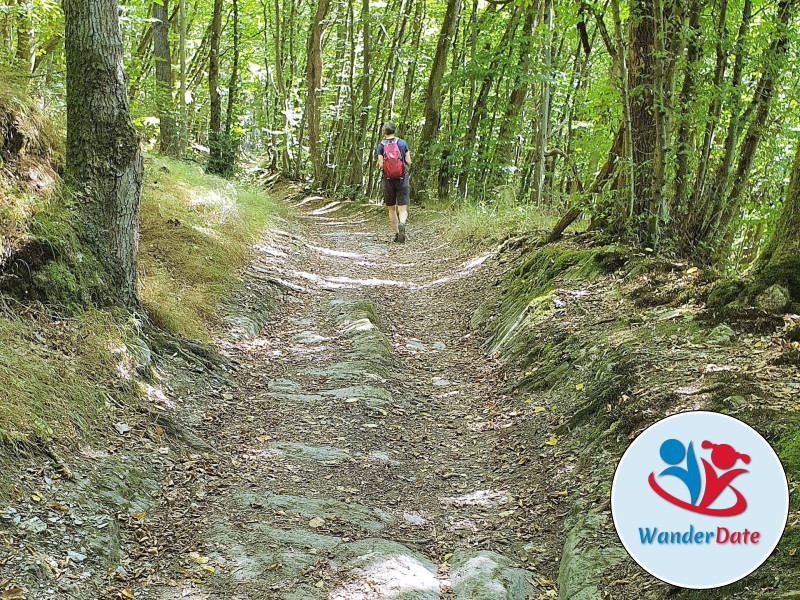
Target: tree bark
<point>510,121</point>
<point>231,139</point>
<point>314,84</point>
<point>104,161</point>
<point>641,76</point>
<point>544,117</point>
<point>161,52</point>
<point>184,129</point>
<point>433,93</point>
<point>216,159</point>
<point>25,53</point>
<point>779,262</point>
<point>683,148</point>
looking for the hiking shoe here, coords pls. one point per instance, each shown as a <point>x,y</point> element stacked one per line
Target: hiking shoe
<point>394,239</point>
<point>401,236</point>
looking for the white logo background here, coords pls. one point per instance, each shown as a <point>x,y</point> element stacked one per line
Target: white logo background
<point>635,505</point>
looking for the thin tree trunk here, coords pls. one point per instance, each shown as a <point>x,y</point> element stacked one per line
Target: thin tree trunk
<point>184,107</point>
<point>314,84</point>
<point>25,53</point>
<point>510,121</point>
<point>231,140</point>
<point>479,109</point>
<point>215,142</point>
<point>433,93</point>
<point>715,106</point>
<point>683,146</point>
<point>403,129</point>
<point>544,120</point>
<point>773,66</point>
<point>104,161</point>
<point>626,110</point>
<point>357,168</point>
<point>163,68</point>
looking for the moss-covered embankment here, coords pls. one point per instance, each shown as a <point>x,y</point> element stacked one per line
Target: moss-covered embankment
<point>603,342</point>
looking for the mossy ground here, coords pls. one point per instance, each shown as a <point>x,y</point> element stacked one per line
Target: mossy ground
<point>605,342</point>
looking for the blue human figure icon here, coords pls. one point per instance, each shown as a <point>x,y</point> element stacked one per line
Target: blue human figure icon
<point>672,453</point>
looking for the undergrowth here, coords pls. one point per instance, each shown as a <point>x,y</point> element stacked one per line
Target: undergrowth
<point>196,231</point>
<point>485,224</point>
<point>57,374</point>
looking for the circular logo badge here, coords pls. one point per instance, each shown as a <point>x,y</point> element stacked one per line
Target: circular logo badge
<point>700,500</point>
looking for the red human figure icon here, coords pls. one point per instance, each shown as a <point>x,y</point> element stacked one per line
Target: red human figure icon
<point>724,457</point>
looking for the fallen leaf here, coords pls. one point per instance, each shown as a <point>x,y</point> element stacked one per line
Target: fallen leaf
<point>208,568</point>
<point>552,441</point>
<point>316,522</point>
<point>539,409</point>
<point>127,593</point>
<point>579,386</point>
<point>196,557</point>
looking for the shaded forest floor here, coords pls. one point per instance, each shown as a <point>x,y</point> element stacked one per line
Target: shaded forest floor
<point>362,453</point>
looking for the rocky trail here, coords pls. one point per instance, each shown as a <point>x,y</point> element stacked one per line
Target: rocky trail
<point>361,453</point>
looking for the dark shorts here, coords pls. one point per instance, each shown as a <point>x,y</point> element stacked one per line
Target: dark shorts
<point>395,191</point>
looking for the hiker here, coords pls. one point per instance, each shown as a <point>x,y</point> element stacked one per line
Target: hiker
<point>394,158</point>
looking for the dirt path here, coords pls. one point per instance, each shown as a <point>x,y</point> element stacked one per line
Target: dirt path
<point>360,455</point>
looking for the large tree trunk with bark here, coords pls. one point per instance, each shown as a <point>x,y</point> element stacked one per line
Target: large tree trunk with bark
<point>161,52</point>
<point>104,161</point>
<point>433,92</point>
<point>314,83</point>
<point>216,159</point>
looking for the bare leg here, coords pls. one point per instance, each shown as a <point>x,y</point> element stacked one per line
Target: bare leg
<point>393,218</point>
<point>402,213</point>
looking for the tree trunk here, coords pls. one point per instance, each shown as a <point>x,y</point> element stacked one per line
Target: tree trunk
<point>641,75</point>
<point>773,66</point>
<point>715,106</point>
<point>231,139</point>
<point>683,146</point>
<point>627,127</point>
<point>314,83</point>
<point>433,94</point>
<point>403,129</point>
<point>25,53</point>
<point>357,167</point>
<point>479,107</point>
<point>544,118</point>
<point>216,159</point>
<point>509,124</point>
<point>161,52</point>
<point>184,131</point>
<point>104,161</point>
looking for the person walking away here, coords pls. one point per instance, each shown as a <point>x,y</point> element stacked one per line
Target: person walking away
<point>394,158</point>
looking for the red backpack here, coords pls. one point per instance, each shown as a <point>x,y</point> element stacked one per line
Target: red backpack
<point>392,160</point>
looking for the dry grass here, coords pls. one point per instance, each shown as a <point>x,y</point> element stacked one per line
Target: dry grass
<point>55,374</point>
<point>485,223</point>
<point>196,234</point>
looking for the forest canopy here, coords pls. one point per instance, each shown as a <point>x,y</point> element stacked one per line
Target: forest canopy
<point>672,123</point>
